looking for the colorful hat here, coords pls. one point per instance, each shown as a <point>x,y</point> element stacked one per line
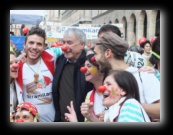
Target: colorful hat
<point>31,108</point>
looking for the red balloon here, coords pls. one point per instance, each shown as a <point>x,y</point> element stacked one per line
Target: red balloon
<point>54,45</point>
<point>83,69</point>
<point>152,39</point>
<point>64,48</point>
<point>101,88</point>
<point>141,40</point>
<point>58,43</point>
<point>25,30</point>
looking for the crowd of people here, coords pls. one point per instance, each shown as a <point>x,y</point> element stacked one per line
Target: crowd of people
<point>108,82</point>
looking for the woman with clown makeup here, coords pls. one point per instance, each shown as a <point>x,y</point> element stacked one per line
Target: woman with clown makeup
<point>121,97</point>
<point>15,96</point>
<point>94,97</point>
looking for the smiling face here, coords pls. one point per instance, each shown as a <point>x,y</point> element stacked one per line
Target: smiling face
<point>92,74</point>
<point>75,47</point>
<point>13,66</point>
<point>147,48</point>
<point>34,46</point>
<point>113,92</point>
<point>101,60</point>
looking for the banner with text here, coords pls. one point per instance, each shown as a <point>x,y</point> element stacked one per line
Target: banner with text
<point>91,32</point>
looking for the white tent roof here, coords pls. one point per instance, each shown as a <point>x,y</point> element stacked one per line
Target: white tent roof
<point>33,17</point>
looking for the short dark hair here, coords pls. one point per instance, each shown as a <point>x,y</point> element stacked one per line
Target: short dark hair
<point>38,31</point>
<point>156,48</point>
<point>144,43</point>
<point>88,57</point>
<point>127,82</point>
<point>109,27</point>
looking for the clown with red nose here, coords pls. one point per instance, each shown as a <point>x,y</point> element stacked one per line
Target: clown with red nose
<point>15,96</point>
<point>26,112</point>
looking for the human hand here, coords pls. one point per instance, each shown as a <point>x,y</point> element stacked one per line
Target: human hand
<point>87,109</point>
<point>22,57</point>
<point>101,116</point>
<point>147,69</point>
<point>71,116</point>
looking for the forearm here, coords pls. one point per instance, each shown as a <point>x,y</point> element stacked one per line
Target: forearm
<point>93,118</point>
<point>153,110</point>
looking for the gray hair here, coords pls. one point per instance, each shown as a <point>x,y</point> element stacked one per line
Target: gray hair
<point>78,33</point>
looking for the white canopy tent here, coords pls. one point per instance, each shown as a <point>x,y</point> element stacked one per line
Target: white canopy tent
<point>28,17</point>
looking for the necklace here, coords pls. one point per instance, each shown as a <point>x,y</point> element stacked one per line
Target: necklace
<point>36,75</point>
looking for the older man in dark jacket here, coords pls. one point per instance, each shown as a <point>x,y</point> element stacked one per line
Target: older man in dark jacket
<point>69,83</point>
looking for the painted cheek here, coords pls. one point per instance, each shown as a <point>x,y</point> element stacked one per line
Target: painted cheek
<point>93,70</point>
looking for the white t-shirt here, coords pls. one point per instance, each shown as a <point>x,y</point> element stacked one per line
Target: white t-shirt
<point>98,107</point>
<point>149,88</point>
<point>146,60</point>
<point>40,94</point>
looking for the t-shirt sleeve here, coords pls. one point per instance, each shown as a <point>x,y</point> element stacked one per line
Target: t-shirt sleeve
<point>130,112</point>
<point>57,51</point>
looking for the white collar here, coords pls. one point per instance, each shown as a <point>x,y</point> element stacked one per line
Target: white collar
<point>113,111</point>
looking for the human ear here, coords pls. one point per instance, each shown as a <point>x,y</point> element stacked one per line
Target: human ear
<point>123,93</point>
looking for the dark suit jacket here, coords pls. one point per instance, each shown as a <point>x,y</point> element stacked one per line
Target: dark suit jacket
<point>81,87</point>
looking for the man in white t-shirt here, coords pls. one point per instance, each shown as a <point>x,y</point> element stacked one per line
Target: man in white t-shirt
<point>110,51</point>
<point>146,45</point>
<point>35,77</point>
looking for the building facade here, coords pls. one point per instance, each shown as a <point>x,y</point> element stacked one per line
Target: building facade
<point>135,23</point>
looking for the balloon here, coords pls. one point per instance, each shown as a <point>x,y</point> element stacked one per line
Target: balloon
<point>58,43</point>
<point>54,45</point>
<point>25,30</point>
<point>141,40</point>
<point>152,39</point>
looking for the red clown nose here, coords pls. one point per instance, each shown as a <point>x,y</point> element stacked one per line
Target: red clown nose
<point>16,66</point>
<point>93,59</point>
<point>101,88</point>
<point>83,69</point>
<point>19,120</point>
<point>64,48</point>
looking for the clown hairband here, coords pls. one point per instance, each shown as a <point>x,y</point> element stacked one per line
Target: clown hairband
<point>155,54</point>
